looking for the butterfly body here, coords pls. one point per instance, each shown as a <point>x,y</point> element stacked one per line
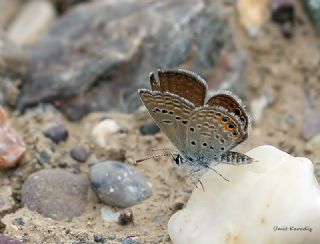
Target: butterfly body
<point>203,132</point>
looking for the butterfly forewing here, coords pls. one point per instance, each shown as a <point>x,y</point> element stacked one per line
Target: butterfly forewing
<point>211,132</point>
<point>181,82</point>
<point>171,113</point>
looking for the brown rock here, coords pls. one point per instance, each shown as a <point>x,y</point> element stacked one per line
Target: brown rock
<point>12,146</point>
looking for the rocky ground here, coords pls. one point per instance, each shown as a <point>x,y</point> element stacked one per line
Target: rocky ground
<point>69,94</point>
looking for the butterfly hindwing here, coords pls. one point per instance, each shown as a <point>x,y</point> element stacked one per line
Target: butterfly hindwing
<point>232,104</point>
<point>212,131</point>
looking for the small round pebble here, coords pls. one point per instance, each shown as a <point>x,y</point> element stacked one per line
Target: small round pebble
<point>55,193</point>
<point>119,184</point>
<point>149,129</point>
<point>19,221</point>
<point>57,133</point>
<point>43,157</point>
<point>80,154</point>
<point>112,236</point>
<point>98,238</point>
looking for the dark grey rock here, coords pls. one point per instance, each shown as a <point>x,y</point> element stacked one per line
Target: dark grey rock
<point>149,129</point>
<point>12,70</point>
<point>7,240</point>
<point>283,13</point>
<point>119,184</point>
<point>101,52</point>
<point>80,153</point>
<point>312,8</point>
<point>55,193</point>
<point>57,133</point>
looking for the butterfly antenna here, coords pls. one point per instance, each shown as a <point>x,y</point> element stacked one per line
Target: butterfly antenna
<point>155,156</point>
<point>162,149</point>
<point>219,174</point>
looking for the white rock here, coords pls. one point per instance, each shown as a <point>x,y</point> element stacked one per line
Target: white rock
<point>33,20</point>
<point>261,203</point>
<point>108,215</point>
<point>102,130</point>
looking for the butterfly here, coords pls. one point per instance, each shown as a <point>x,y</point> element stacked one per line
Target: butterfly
<point>203,131</point>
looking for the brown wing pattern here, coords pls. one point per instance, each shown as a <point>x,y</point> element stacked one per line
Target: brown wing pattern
<point>181,82</point>
<point>232,103</point>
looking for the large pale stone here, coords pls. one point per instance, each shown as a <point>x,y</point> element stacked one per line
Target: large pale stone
<point>275,200</point>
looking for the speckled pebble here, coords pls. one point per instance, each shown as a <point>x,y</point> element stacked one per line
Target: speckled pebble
<point>149,129</point>
<point>119,184</point>
<point>55,193</point>
<point>80,154</point>
<point>7,240</point>
<point>57,133</point>
<point>98,238</point>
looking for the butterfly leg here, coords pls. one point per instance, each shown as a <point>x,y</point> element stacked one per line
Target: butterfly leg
<point>218,173</point>
<point>194,174</point>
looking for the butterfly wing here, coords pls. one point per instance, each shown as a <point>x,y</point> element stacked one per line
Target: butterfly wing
<point>211,132</point>
<point>170,112</point>
<point>232,104</point>
<point>181,82</point>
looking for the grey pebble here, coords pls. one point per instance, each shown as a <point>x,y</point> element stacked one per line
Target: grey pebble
<point>56,133</point>
<point>55,193</point>
<point>19,221</point>
<point>43,157</point>
<point>98,238</point>
<point>112,236</point>
<point>80,154</point>
<point>119,184</point>
<point>129,240</point>
<point>149,129</point>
